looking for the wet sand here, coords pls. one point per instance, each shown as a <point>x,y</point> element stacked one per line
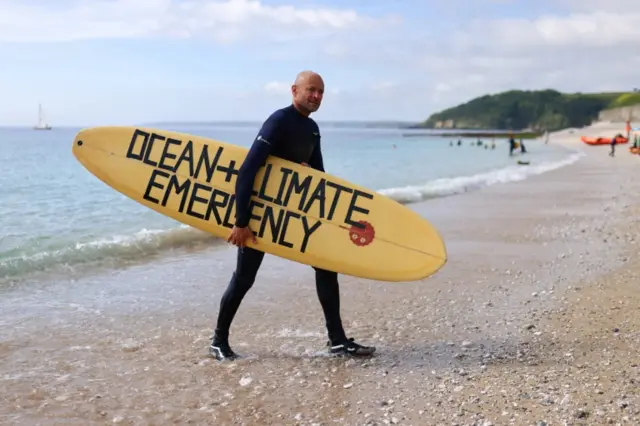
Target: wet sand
<point>533,321</point>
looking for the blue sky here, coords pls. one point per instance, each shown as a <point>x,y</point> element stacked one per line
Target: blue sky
<point>94,62</point>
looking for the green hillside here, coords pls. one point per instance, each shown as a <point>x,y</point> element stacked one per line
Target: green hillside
<point>538,110</point>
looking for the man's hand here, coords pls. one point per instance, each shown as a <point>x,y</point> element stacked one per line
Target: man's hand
<point>239,236</point>
<point>305,164</point>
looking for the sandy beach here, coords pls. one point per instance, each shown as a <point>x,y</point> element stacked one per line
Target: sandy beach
<point>535,320</point>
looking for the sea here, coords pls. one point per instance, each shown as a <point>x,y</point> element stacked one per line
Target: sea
<point>58,219</point>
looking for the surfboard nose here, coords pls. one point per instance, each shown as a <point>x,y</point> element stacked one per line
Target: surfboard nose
<point>77,147</point>
<point>86,140</point>
<point>80,142</point>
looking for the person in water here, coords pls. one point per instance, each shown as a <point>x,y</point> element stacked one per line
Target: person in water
<point>614,141</point>
<point>288,133</point>
<point>523,150</point>
<point>512,145</point>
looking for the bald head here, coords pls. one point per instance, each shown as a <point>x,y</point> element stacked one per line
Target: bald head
<point>304,76</point>
<point>307,91</point>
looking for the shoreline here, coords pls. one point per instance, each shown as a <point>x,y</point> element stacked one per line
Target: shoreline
<point>551,255</point>
<point>477,134</point>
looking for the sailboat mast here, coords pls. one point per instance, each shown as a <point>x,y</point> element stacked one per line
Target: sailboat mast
<point>42,125</point>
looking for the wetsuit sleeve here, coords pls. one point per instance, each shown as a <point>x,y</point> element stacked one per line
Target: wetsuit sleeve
<point>261,148</point>
<point>316,161</point>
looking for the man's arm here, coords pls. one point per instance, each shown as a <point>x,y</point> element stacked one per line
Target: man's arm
<point>316,161</point>
<point>262,146</point>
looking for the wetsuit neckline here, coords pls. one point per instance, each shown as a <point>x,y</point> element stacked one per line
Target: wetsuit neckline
<point>292,106</point>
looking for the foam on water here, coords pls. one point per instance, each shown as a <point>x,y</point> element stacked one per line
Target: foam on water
<point>461,184</point>
<point>116,250</point>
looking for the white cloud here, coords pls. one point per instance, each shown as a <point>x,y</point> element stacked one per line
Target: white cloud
<point>581,30</point>
<point>582,50</point>
<point>384,86</point>
<point>222,21</point>
<point>277,87</point>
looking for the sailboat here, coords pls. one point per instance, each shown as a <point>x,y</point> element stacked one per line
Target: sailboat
<point>42,124</point>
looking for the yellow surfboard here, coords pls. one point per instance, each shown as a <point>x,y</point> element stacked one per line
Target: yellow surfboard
<point>298,213</point>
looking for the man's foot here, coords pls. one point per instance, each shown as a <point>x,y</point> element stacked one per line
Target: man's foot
<point>222,351</point>
<point>350,347</point>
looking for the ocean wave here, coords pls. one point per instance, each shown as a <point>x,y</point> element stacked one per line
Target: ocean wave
<point>461,184</point>
<point>113,250</point>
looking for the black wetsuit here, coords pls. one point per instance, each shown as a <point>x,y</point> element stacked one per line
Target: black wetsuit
<point>614,140</point>
<point>290,135</point>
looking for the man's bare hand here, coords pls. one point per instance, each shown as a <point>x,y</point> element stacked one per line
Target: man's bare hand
<point>305,164</point>
<point>239,236</point>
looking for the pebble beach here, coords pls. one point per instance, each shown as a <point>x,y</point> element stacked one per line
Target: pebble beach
<point>535,320</point>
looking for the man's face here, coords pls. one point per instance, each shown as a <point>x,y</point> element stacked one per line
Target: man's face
<point>309,92</point>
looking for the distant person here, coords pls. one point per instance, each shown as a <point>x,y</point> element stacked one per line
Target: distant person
<point>614,141</point>
<point>628,128</point>
<point>288,133</point>
<point>523,150</point>
<point>512,145</point>
<point>459,142</point>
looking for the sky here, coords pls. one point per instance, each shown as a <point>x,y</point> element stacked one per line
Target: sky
<point>106,62</point>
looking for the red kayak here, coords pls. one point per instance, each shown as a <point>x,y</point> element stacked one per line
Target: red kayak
<point>603,140</point>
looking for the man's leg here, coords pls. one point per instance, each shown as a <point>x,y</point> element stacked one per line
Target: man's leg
<point>329,295</point>
<point>247,265</point>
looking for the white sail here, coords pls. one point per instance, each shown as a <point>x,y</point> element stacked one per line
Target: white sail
<point>42,122</point>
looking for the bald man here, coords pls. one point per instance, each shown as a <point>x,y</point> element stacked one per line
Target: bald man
<point>291,134</point>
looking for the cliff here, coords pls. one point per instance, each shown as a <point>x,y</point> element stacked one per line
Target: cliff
<point>620,115</point>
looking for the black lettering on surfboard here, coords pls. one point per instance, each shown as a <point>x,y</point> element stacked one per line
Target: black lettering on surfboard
<point>186,155</point>
<point>195,198</point>
<point>184,175</point>
<point>149,147</point>
<point>298,187</point>
<point>354,208</point>
<point>210,164</point>
<point>175,186</point>
<point>229,170</point>
<point>230,211</point>
<point>136,148</point>
<point>318,196</point>
<point>218,203</point>
<point>288,214</point>
<point>283,184</point>
<point>166,155</point>
<point>154,184</point>
<point>334,203</point>
<point>265,181</point>
<point>308,230</point>
<point>273,220</point>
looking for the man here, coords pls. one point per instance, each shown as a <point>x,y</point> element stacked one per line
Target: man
<point>288,133</point>
<point>512,145</point>
<point>614,140</point>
